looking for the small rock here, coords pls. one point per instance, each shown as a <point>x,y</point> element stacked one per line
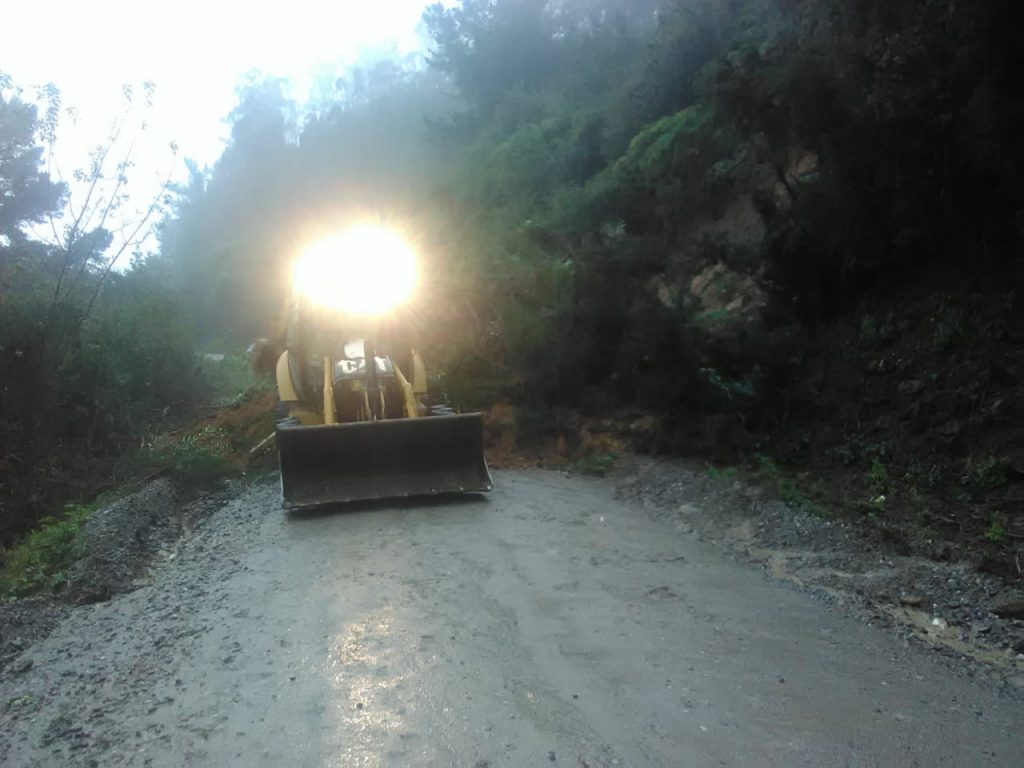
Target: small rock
<point>1009,609</point>
<point>911,387</point>
<point>912,601</point>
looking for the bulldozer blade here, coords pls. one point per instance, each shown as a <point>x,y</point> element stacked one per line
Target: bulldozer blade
<point>393,458</point>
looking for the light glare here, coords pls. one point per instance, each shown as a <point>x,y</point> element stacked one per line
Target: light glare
<point>364,271</point>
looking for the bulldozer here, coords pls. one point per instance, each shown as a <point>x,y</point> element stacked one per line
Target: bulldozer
<point>356,421</point>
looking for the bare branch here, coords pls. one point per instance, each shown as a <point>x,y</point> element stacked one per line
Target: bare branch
<point>132,240</point>
<point>107,207</point>
<point>101,207</point>
<point>71,238</point>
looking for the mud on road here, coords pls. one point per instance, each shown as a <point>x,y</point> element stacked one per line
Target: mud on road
<point>951,607</point>
<point>547,624</point>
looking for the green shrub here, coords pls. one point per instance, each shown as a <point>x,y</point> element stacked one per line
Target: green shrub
<point>231,380</point>
<point>878,478</point>
<point>83,380</point>
<point>995,531</point>
<point>868,330</point>
<point>985,475</point>
<point>195,459</point>
<point>594,465</point>
<point>766,466</point>
<point>40,561</point>
<point>923,475</point>
<point>855,449</point>
<point>789,488</point>
<point>949,326</point>
<point>872,331</point>
<point>722,473</point>
<point>725,388</point>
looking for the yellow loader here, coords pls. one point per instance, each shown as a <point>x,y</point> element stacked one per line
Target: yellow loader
<point>357,422</point>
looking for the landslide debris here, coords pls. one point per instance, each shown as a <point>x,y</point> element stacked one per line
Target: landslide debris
<point>25,622</point>
<point>120,539</point>
<point>955,607</point>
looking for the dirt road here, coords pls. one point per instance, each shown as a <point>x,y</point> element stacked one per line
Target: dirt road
<point>547,624</point>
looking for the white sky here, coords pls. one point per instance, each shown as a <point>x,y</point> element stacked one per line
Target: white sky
<point>195,51</point>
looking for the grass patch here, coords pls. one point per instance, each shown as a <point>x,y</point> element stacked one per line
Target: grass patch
<point>722,473</point>
<point>873,332</point>
<point>985,475</point>
<point>230,378</point>
<point>949,326</point>
<point>926,476</point>
<point>196,459</point>
<point>788,488</point>
<point>594,465</point>
<point>39,562</point>
<point>878,478</point>
<point>995,531</point>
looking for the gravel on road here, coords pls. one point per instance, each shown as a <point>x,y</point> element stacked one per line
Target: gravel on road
<point>548,623</point>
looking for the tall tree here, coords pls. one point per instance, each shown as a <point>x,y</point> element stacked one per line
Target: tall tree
<point>27,193</point>
<point>490,47</point>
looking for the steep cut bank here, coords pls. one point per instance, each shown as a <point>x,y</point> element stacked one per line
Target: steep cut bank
<point>908,416</point>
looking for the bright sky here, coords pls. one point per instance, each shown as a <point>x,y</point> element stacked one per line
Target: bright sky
<point>195,51</point>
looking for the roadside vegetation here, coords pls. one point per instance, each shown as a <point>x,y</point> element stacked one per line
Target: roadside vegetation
<point>785,233</point>
<point>198,456</point>
<point>40,560</point>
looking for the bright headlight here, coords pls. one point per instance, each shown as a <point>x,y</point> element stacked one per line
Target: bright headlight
<point>365,271</point>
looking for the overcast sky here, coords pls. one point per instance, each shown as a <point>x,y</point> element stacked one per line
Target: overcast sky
<point>195,51</point>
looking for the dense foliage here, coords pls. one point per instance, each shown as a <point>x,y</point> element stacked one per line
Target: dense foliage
<point>644,201</point>
<point>617,202</point>
<point>90,358</point>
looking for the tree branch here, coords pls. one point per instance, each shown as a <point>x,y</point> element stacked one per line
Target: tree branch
<point>110,203</point>
<point>133,239</point>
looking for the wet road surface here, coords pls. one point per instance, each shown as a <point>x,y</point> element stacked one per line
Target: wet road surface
<point>545,624</point>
